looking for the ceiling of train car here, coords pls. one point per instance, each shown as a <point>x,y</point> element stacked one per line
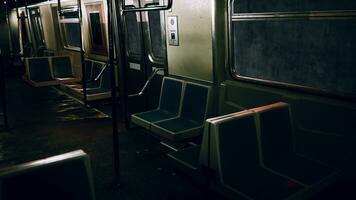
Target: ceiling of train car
<point>20,3</point>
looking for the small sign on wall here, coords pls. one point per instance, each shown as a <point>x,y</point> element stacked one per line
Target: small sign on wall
<point>135,66</point>
<point>173,36</point>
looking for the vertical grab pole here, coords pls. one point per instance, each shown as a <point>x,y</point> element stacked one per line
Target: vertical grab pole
<point>123,62</point>
<point>82,58</point>
<point>115,130</point>
<point>2,90</point>
<point>18,29</point>
<point>9,27</point>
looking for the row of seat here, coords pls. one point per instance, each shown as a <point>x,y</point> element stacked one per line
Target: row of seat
<point>47,71</point>
<point>98,84</point>
<point>182,110</point>
<point>250,155</point>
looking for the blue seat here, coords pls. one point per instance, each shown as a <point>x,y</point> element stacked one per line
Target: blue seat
<point>278,152</point>
<point>88,69</point>
<point>190,122</point>
<point>38,72</point>
<point>97,67</point>
<point>66,176</point>
<point>169,104</point>
<point>98,84</point>
<point>239,168</point>
<point>104,83</point>
<point>62,67</point>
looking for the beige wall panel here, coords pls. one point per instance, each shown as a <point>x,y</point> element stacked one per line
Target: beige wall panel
<point>193,57</point>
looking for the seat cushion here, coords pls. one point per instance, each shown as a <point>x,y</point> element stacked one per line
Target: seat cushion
<point>178,125</point>
<point>98,91</point>
<point>155,115</point>
<point>258,183</point>
<point>62,67</point>
<point>299,168</point>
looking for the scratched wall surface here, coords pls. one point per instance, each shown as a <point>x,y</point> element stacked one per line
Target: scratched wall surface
<point>253,6</point>
<point>313,53</point>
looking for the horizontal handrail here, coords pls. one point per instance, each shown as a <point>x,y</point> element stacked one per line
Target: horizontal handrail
<point>147,7</point>
<point>153,74</point>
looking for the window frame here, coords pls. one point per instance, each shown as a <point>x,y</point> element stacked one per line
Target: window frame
<point>62,22</point>
<point>151,55</point>
<point>36,19</point>
<point>129,53</point>
<point>232,17</point>
<point>101,50</point>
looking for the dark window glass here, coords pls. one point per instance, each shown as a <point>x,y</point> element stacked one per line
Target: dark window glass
<point>256,6</point>
<point>96,31</point>
<point>133,34</point>
<point>314,53</point>
<point>72,34</point>
<point>70,27</point>
<point>156,34</point>
<point>36,25</point>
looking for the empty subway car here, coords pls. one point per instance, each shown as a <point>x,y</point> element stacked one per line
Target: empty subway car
<point>241,99</point>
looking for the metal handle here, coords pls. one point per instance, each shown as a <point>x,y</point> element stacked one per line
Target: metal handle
<point>155,71</point>
<point>99,75</point>
<point>101,72</point>
<point>147,7</point>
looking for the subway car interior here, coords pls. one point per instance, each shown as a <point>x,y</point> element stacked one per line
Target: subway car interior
<point>177,99</point>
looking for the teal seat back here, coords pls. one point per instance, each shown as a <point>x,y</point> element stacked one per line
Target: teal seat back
<point>39,70</point>
<point>171,95</point>
<point>88,69</point>
<point>97,67</point>
<point>56,179</point>
<point>276,133</point>
<point>62,67</point>
<point>106,79</point>
<point>237,145</point>
<point>195,102</point>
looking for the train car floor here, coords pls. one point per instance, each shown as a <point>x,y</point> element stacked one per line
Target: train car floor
<point>45,122</point>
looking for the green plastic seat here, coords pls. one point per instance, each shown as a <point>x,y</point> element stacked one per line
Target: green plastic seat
<point>208,150</point>
<point>191,119</point>
<point>88,69</point>
<point>93,68</point>
<point>105,84</point>
<point>39,70</point>
<point>201,158</point>
<point>276,134</point>
<point>104,89</point>
<point>97,67</point>
<point>66,176</point>
<point>62,67</point>
<point>240,171</point>
<point>168,107</point>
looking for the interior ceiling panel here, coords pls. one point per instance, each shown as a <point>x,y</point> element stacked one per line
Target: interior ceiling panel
<point>20,3</point>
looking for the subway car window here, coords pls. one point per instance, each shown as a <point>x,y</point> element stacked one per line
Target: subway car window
<point>155,27</point>
<point>97,37</point>
<point>256,6</point>
<point>70,32</point>
<point>36,24</point>
<point>133,34</point>
<point>317,54</point>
